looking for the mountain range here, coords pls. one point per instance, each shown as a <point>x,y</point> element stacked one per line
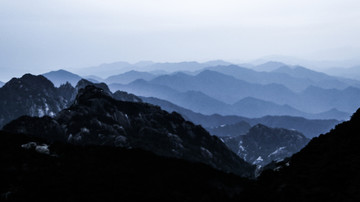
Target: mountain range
<point>324,170</point>
<point>96,118</point>
<point>36,96</point>
<point>220,125</point>
<point>228,89</point>
<point>285,90</point>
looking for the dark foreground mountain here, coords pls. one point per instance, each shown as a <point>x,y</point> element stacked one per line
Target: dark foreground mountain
<point>37,96</point>
<point>262,145</point>
<point>32,95</point>
<point>35,170</point>
<point>327,169</point>
<point>95,118</point>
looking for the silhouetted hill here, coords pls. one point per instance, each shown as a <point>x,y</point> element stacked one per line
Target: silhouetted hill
<point>96,118</point>
<point>62,77</point>
<point>327,169</point>
<point>32,169</point>
<point>261,144</point>
<point>1,83</point>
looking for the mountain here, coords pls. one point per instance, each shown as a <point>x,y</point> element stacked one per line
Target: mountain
<point>326,169</point>
<point>129,77</point>
<point>252,107</point>
<point>32,95</point>
<point>255,77</point>
<point>1,83</point>
<point>107,69</point>
<point>93,78</point>
<point>351,73</point>
<point>310,128</point>
<point>62,77</point>
<point>194,100</point>
<point>226,88</point>
<point>110,69</point>
<point>326,99</point>
<point>322,80</point>
<point>33,169</point>
<point>296,84</point>
<point>229,90</point>
<point>262,145</point>
<point>95,118</point>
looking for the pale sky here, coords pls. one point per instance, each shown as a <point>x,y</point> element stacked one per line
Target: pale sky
<point>41,35</point>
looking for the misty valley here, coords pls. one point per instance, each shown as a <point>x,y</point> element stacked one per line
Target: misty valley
<point>213,131</point>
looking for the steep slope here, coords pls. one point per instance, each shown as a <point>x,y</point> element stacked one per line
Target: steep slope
<point>96,118</point>
<point>33,96</point>
<point>262,144</point>
<point>62,77</point>
<point>327,169</point>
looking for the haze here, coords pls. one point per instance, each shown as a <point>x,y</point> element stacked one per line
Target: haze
<point>38,36</point>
